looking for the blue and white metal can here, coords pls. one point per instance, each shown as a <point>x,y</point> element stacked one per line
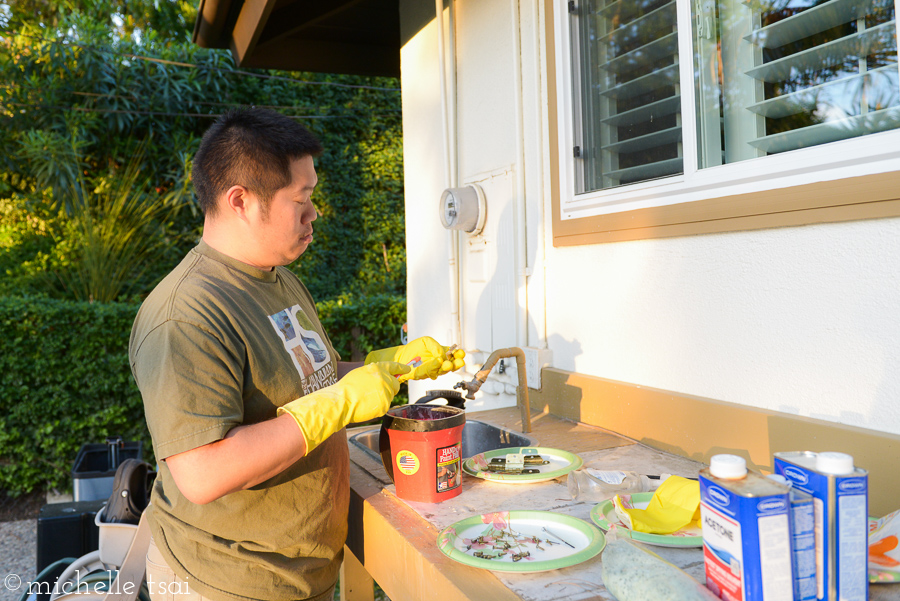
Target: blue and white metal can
<point>840,493</point>
<point>746,532</point>
<point>803,541</point>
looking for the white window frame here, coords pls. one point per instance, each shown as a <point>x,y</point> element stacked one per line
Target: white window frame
<point>866,155</point>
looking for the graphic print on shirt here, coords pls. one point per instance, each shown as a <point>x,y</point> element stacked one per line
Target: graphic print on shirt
<point>305,347</point>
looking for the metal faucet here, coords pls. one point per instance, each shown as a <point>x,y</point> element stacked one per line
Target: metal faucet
<point>521,390</point>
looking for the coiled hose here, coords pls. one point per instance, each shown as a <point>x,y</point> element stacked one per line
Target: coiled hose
<point>71,584</point>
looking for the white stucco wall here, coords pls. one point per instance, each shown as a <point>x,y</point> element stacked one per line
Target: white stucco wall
<point>802,320</point>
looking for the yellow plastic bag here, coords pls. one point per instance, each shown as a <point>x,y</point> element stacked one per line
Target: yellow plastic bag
<point>675,504</point>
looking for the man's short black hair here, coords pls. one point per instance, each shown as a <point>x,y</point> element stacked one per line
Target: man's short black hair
<point>251,147</point>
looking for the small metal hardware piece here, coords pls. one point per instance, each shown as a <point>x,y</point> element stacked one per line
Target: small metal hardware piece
<point>499,469</point>
<point>526,460</point>
<point>544,528</point>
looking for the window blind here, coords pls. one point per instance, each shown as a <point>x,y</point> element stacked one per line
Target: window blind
<point>630,101</point>
<point>828,71</point>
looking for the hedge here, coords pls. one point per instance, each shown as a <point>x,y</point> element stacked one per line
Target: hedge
<point>66,379</point>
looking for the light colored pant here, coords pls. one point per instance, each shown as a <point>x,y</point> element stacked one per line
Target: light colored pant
<point>163,583</point>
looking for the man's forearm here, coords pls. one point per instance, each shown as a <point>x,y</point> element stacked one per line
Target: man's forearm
<point>247,456</point>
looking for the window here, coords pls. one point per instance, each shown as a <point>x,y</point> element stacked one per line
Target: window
<point>630,103</point>
<point>672,101</point>
<point>780,75</point>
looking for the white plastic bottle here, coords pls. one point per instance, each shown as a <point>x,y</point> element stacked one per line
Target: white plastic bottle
<point>589,484</point>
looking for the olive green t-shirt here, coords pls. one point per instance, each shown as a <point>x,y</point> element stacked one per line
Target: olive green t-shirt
<point>219,344</point>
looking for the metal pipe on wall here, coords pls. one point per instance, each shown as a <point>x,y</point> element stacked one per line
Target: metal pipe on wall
<point>538,18</point>
<point>521,229</point>
<point>448,114</point>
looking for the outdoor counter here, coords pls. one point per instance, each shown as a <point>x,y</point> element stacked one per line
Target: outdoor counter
<point>394,541</point>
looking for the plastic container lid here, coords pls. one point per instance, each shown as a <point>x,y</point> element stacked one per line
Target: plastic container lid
<point>779,478</point>
<point>728,466</point>
<point>837,464</point>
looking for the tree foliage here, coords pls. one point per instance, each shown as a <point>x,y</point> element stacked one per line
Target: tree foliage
<point>102,106</point>
<point>84,92</point>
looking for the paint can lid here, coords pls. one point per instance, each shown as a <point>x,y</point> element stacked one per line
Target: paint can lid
<point>779,478</point>
<point>728,466</point>
<point>837,464</point>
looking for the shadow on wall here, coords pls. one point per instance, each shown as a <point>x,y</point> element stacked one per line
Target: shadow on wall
<point>493,324</point>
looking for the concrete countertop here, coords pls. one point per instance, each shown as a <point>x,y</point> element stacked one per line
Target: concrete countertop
<point>394,541</point>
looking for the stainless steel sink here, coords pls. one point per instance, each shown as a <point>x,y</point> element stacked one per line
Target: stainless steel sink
<point>477,437</point>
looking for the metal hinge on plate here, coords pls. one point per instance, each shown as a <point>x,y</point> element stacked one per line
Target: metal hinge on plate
<point>572,7</point>
<point>576,152</point>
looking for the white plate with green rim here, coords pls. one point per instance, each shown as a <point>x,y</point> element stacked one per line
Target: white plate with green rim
<point>559,464</point>
<point>604,514</point>
<point>521,541</point>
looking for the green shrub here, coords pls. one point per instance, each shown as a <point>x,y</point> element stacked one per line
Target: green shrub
<point>358,324</point>
<point>66,379</point>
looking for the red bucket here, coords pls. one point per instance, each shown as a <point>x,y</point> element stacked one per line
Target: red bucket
<point>421,450</point>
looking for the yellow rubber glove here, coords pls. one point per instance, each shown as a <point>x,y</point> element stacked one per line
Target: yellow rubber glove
<point>427,357</point>
<point>363,394</point>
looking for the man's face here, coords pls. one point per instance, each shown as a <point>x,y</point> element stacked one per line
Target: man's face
<point>285,233</point>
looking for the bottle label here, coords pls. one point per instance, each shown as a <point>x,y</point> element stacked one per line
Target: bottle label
<point>610,477</point>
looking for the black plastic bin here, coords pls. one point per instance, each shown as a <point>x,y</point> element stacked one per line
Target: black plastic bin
<point>95,467</point>
<point>66,530</point>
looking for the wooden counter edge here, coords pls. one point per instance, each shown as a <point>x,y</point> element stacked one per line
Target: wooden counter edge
<point>398,549</point>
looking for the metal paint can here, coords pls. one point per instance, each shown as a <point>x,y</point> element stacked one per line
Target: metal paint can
<point>803,542</point>
<point>421,451</point>
<point>840,493</point>
<point>803,545</point>
<point>746,532</point>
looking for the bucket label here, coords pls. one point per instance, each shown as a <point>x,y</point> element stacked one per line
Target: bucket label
<point>448,475</point>
<point>407,463</point>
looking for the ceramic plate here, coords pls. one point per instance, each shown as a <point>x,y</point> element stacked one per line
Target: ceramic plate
<point>604,514</point>
<point>561,463</point>
<point>519,541</point>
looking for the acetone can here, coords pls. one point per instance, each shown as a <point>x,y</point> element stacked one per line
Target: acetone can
<point>746,532</point>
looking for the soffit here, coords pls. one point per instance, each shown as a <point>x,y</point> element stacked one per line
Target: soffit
<point>359,37</point>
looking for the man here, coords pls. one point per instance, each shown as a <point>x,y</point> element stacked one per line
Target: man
<point>244,395</point>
